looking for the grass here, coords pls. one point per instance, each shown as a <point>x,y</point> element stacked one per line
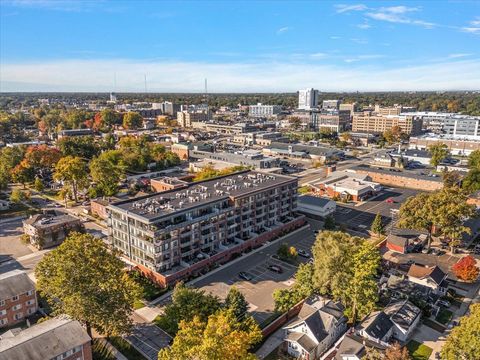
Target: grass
<point>138,304</point>
<point>418,351</point>
<point>125,348</point>
<point>100,351</point>
<point>444,316</point>
<point>149,289</point>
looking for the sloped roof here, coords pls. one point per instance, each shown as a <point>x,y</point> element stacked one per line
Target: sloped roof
<point>13,283</point>
<point>44,341</point>
<point>303,340</point>
<point>377,325</point>
<point>397,240</point>
<point>356,345</point>
<point>423,272</point>
<point>403,313</point>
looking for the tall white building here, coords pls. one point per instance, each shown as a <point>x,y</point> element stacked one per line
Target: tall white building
<point>307,99</point>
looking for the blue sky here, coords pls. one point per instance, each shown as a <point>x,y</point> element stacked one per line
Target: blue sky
<point>251,46</point>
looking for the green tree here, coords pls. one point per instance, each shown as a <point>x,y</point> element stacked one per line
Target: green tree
<point>106,175</point>
<point>187,303</point>
<point>303,288</point>
<point>72,171</point>
<point>83,279</point>
<point>439,152</point>
<point>132,120</point>
<point>17,196</point>
<point>22,173</point>
<point>329,223</point>
<point>444,209</point>
<point>9,158</point>
<point>235,301</point>
<point>474,160</point>
<point>471,182</point>
<point>38,185</point>
<point>377,225</point>
<point>361,293</point>
<point>451,178</point>
<point>221,337</point>
<point>285,299</point>
<point>463,341</point>
<point>81,146</point>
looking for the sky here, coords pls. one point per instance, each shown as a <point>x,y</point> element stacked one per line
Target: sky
<point>239,46</point>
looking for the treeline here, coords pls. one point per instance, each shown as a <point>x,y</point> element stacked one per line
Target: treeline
<point>453,101</point>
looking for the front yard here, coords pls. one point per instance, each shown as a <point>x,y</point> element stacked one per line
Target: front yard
<point>418,351</point>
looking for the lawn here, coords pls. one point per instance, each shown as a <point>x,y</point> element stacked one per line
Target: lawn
<point>419,351</point>
<point>138,304</point>
<point>100,351</point>
<point>125,348</point>
<point>444,316</point>
<point>149,289</point>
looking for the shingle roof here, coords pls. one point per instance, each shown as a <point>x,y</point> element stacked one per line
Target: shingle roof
<point>403,313</point>
<point>44,341</point>
<point>397,240</point>
<point>377,325</point>
<point>13,283</point>
<point>422,272</point>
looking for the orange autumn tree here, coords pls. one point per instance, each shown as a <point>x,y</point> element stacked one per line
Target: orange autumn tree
<point>465,269</point>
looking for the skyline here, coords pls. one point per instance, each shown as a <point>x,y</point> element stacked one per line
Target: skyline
<point>239,46</point>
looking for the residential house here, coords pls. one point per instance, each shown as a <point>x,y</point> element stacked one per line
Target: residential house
<point>405,317</point>
<point>318,326</point>
<point>354,347</point>
<point>17,297</point>
<point>46,231</point>
<point>404,241</point>
<point>428,276</point>
<point>377,327</point>
<point>54,339</point>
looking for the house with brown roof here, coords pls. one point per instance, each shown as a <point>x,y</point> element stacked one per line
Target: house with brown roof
<point>319,324</point>
<point>428,276</point>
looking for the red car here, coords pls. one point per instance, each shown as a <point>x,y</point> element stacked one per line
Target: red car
<point>390,201</point>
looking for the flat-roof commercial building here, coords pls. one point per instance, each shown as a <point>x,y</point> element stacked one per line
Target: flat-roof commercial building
<point>186,118</point>
<point>54,339</point>
<point>261,110</point>
<point>246,158</point>
<point>457,146</point>
<point>178,233</point>
<point>451,124</point>
<point>367,122</point>
<point>335,121</point>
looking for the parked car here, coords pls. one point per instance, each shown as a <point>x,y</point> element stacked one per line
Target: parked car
<point>275,268</point>
<point>245,276</point>
<point>303,253</point>
<point>435,252</point>
<point>444,303</point>
<point>425,250</point>
<point>390,201</point>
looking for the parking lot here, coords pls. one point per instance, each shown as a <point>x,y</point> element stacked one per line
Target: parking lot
<point>11,247</point>
<point>258,291</point>
<point>359,217</point>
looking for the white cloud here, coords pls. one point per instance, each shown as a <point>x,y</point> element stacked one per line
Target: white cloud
<point>348,8</point>
<point>398,9</point>
<point>283,30</point>
<point>268,76</point>
<point>473,28</point>
<point>458,55</point>
<point>364,26</point>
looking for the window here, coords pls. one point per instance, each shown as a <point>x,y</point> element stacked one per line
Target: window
<point>3,321</point>
<point>15,298</point>
<point>2,302</point>
<point>3,312</point>
<point>30,302</point>
<point>17,307</point>
<point>18,316</point>
<point>30,292</point>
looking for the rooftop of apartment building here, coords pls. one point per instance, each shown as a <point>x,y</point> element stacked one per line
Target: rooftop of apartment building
<point>242,183</point>
<point>412,174</point>
<point>442,115</point>
<point>309,149</point>
<point>43,341</point>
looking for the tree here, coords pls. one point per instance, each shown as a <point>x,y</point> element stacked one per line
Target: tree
<point>106,175</point>
<point>132,120</point>
<point>471,182</point>
<point>442,209</point>
<point>466,269</point>
<point>17,196</point>
<point>397,352</point>
<point>451,178</point>
<point>72,171</point>
<point>22,173</point>
<point>439,152</point>
<point>38,185</point>
<point>83,279</point>
<point>285,299</point>
<point>361,293</point>
<point>286,252</point>
<point>221,337</point>
<point>474,160</point>
<point>187,303</point>
<point>295,122</point>
<point>377,225</point>
<point>81,146</point>
<point>303,288</point>
<point>463,341</point>
<point>235,301</point>
<point>329,223</point>
<point>9,158</point>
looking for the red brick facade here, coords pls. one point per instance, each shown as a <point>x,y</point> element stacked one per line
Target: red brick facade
<point>16,309</point>
<point>222,257</point>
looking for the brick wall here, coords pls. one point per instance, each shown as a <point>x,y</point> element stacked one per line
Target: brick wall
<point>25,310</point>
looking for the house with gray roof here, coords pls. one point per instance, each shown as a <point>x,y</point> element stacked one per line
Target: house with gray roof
<point>319,324</point>
<point>56,339</point>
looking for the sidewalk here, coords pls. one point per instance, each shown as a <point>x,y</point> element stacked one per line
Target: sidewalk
<point>272,342</point>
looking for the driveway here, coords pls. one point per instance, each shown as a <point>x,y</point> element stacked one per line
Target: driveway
<point>429,337</point>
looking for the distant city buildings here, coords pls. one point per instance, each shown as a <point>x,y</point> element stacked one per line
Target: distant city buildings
<point>308,99</point>
<point>331,104</point>
<point>186,118</point>
<point>261,110</point>
<point>371,122</point>
<point>333,120</point>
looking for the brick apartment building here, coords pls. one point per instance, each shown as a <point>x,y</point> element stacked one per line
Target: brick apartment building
<point>46,231</point>
<point>55,339</point>
<point>18,298</point>
<point>177,233</point>
<point>368,122</point>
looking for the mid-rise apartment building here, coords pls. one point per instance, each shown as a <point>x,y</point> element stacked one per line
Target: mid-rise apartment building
<point>261,110</point>
<point>186,118</point>
<point>55,339</point>
<point>451,124</point>
<point>308,99</point>
<point>368,122</point>
<point>388,110</point>
<point>335,121</point>
<point>18,298</point>
<point>177,233</point>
